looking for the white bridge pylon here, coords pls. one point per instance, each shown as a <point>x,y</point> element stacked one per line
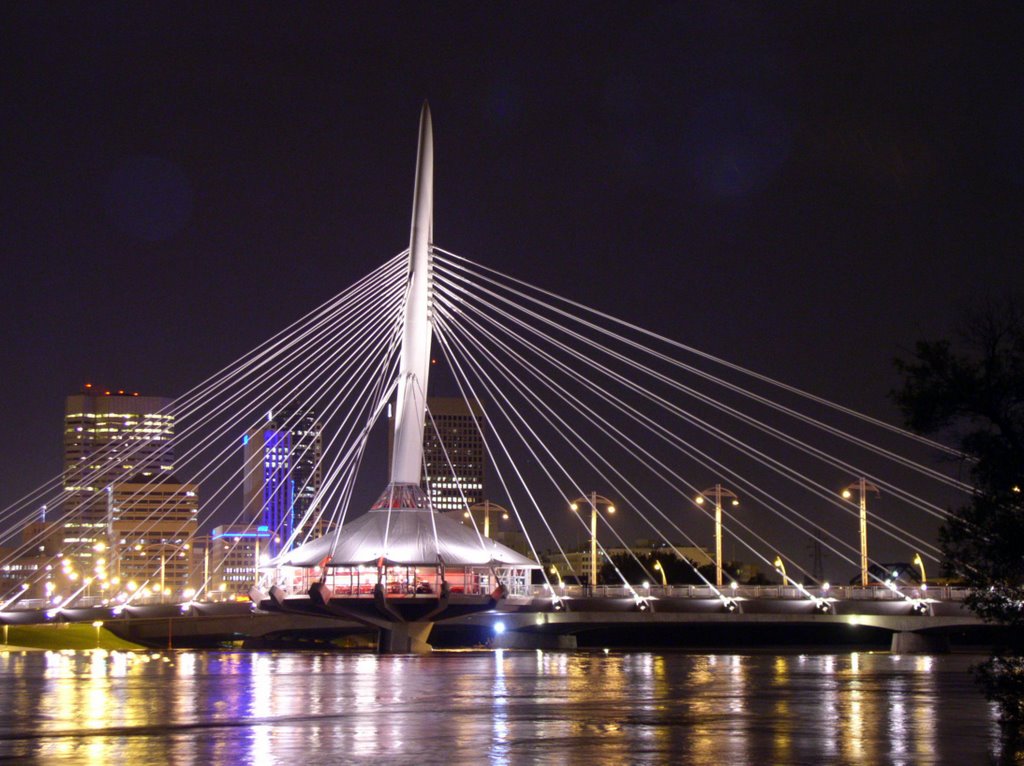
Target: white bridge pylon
<point>414,368</point>
<point>402,529</point>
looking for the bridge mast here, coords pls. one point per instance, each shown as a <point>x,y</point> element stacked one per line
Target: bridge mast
<point>410,407</point>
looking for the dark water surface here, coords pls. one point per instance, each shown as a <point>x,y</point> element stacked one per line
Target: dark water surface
<point>220,708</point>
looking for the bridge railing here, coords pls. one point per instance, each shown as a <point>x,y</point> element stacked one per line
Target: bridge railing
<point>841,592</point>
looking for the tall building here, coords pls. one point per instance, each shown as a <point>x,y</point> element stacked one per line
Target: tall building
<point>108,436</point>
<point>151,525</point>
<point>453,453</point>
<point>282,473</point>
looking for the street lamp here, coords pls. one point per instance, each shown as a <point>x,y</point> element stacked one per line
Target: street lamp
<point>594,499</point>
<point>863,486</point>
<point>554,571</point>
<point>98,624</point>
<point>717,492</point>
<point>920,563</point>
<point>781,566</point>
<point>661,569</point>
<point>487,506</point>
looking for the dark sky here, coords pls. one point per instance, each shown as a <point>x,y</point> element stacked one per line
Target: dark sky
<point>803,188</point>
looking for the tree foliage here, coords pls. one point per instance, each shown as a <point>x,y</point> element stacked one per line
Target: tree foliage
<point>971,391</point>
<point>641,568</point>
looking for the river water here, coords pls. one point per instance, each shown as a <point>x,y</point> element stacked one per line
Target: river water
<point>592,708</point>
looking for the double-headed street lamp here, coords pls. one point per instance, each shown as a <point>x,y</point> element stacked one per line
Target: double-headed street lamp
<point>716,493</point>
<point>593,500</point>
<point>862,487</point>
<point>487,506</point>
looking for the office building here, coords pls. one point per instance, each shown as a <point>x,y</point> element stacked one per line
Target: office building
<point>152,521</point>
<point>235,553</point>
<point>455,461</point>
<point>282,473</point>
<point>108,436</point>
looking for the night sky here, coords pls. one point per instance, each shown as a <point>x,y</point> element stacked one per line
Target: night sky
<point>802,188</point>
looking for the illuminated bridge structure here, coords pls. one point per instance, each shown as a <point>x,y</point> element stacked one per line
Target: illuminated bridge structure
<point>576,399</point>
<point>691,615</point>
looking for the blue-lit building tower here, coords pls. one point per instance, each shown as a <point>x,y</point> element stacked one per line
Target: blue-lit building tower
<point>282,475</point>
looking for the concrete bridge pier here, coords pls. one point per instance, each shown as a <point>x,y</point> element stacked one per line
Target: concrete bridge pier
<point>405,638</point>
<point>909,642</point>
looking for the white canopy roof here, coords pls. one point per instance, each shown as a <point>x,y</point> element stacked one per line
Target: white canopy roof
<point>402,530</point>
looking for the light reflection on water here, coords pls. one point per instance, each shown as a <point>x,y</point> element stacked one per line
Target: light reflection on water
<point>499,708</point>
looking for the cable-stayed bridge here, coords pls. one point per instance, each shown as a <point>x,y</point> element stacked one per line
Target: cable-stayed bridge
<point>595,429</point>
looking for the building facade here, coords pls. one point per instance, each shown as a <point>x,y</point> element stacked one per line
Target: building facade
<point>454,458</point>
<point>152,521</point>
<point>108,436</point>
<point>282,473</point>
<point>236,552</point>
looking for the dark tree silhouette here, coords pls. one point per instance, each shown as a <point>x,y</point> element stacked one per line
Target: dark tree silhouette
<point>971,392</point>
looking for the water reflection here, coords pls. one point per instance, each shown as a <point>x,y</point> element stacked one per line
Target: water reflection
<point>500,708</point>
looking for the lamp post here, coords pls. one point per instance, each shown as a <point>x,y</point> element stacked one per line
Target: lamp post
<point>594,499</point>
<point>661,570</point>
<point>863,486</point>
<point>781,566</point>
<point>487,506</point>
<point>716,493</point>
<point>98,624</point>
<point>554,571</point>
<point>920,564</point>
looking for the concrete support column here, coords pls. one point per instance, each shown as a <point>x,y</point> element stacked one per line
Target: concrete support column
<point>405,638</point>
<point>909,642</point>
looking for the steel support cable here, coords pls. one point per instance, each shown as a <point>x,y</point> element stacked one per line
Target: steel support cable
<point>668,436</point>
<point>458,484</point>
<point>360,357</point>
<point>338,403</point>
<point>929,472</point>
<point>113,447</point>
<point>464,384</point>
<point>488,383</point>
<point>281,383</point>
<point>700,396</point>
<point>911,499</point>
<point>154,517</point>
<point>349,486</point>
<point>864,444</point>
<point>387,362</point>
<point>278,385</point>
<point>366,352</point>
<point>33,496</point>
<point>325,494</point>
<point>692,350</point>
<point>673,440</point>
<point>482,375</point>
<point>577,406</point>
